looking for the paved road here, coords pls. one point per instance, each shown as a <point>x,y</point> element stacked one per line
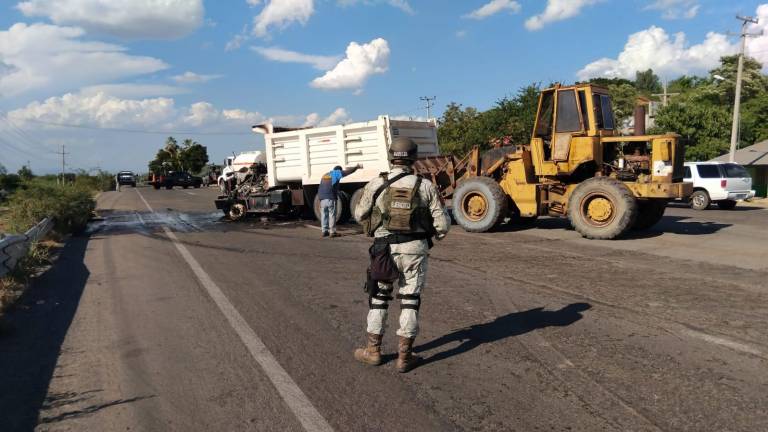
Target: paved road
<point>166,318</point>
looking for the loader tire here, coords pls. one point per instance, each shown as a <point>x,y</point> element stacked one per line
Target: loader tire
<point>649,213</point>
<point>602,208</point>
<point>342,208</point>
<point>479,204</point>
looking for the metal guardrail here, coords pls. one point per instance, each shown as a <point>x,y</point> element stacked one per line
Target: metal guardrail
<point>15,247</point>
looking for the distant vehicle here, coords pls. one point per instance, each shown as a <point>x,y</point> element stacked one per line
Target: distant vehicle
<point>233,164</point>
<point>126,178</point>
<point>723,183</point>
<point>177,178</point>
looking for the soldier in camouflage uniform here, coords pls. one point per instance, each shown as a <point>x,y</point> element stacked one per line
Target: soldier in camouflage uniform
<point>407,230</point>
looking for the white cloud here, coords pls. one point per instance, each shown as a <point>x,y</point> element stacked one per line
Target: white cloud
<point>130,90</point>
<point>103,110</point>
<point>360,63</point>
<point>281,55</point>
<point>655,49</point>
<point>98,110</point>
<point>676,9</point>
<point>557,10</point>
<point>48,57</point>
<point>281,13</point>
<point>403,5</point>
<point>757,47</point>
<point>189,77</point>
<point>493,7</point>
<point>142,19</point>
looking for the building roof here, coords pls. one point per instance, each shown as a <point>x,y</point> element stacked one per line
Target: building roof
<point>754,155</point>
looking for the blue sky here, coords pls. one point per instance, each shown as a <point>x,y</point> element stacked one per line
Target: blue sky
<point>111,67</point>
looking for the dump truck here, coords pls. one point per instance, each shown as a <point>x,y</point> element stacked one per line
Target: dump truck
<point>287,180</point>
<point>576,165</point>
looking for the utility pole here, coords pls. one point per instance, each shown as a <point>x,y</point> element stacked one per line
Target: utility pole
<point>430,101</point>
<point>665,96</point>
<point>745,22</point>
<point>63,154</point>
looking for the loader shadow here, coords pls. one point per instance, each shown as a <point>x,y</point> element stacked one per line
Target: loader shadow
<point>510,325</point>
<point>668,225</point>
<point>38,324</point>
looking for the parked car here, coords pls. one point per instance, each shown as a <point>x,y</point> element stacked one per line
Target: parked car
<point>126,178</point>
<point>183,179</point>
<point>723,183</point>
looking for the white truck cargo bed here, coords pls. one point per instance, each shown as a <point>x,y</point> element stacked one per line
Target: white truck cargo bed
<point>305,155</point>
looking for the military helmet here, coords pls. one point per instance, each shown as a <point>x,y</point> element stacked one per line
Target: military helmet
<point>403,149</point>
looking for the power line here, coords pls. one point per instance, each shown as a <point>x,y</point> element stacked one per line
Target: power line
<point>137,131</point>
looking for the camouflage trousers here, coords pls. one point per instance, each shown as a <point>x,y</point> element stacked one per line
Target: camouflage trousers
<point>413,274</point>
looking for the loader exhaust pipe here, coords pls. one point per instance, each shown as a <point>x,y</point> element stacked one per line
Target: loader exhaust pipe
<point>639,120</point>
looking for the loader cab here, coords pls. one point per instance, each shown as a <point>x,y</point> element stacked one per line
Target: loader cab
<point>567,121</point>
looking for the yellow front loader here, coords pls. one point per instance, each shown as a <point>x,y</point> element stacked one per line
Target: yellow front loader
<point>576,165</point>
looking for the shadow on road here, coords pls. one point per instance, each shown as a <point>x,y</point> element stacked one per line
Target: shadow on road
<point>668,224</point>
<point>510,325</point>
<point>38,325</point>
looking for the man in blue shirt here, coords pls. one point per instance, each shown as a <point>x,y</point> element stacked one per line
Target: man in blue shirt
<point>328,193</point>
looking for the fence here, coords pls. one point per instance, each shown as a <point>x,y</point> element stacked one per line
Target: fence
<point>15,247</point>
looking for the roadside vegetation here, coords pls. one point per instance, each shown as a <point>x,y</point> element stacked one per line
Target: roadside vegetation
<point>700,109</point>
<point>27,199</point>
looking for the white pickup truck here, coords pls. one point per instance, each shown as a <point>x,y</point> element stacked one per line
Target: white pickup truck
<point>724,183</point>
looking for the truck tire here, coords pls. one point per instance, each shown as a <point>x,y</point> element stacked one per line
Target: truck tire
<point>156,186</point>
<point>354,201</point>
<point>700,200</point>
<point>726,204</point>
<point>602,208</point>
<point>342,208</point>
<point>479,204</point>
<point>237,212</point>
<point>169,186</point>
<point>649,213</point>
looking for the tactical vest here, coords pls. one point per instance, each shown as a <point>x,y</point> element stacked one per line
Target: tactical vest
<point>403,212</point>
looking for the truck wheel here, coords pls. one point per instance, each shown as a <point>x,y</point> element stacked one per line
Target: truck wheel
<point>649,213</point>
<point>726,204</point>
<point>156,186</point>
<point>479,204</point>
<point>602,208</point>
<point>237,212</point>
<point>700,200</point>
<point>185,186</point>
<point>169,187</point>
<point>342,208</point>
<point>354,201</point>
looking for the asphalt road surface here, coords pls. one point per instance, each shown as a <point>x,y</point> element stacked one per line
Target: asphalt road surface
<point>166,317</point>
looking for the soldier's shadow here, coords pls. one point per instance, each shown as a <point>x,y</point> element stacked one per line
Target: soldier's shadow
<point>510,325</point>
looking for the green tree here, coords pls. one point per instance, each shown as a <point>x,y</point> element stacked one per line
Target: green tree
<point>25,173</point>
<point>3,171</point>
<point>754,82</point>
<point>193,156</point>
<point>704,127</point>
<point>647,83</point>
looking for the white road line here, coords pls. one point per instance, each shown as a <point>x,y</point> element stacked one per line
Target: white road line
<point>189,193</point>
<point>297,401</point>
<point>737,346</point>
